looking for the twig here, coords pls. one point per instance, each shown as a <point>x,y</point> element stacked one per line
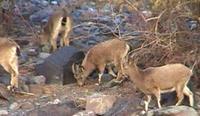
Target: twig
<point>142,46</point>
<point>24,93</point>
<point>159,17</point>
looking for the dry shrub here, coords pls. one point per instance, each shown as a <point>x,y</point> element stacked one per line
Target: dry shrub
<point>168,37</point>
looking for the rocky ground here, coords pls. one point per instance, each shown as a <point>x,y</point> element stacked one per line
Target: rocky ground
<point>90,100</point>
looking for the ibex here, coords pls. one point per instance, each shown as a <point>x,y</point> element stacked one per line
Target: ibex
<point>9,52</point>
<point>100,55</point>
<point>157,80</point>
<point>60,22</point>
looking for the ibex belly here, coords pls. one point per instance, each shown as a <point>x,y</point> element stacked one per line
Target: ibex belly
<point>167,90</point>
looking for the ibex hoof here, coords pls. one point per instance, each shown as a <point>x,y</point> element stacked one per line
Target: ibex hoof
<point>11,88</point>
<point>143,112</point>
<point>98,84</point>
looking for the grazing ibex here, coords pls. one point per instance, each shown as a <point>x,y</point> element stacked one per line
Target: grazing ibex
<point>110,51</point>
<point>9,52</point>
<point>157,80</point>
<point>60,22</point>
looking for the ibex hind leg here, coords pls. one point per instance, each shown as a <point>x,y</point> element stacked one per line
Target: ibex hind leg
<point>110,71</point>
<point>13,74</point>
<point>64,39</point>
<point>156,93</point>
<point>14,67</point>
<point>146,102</point>
<point>101,71</point>
<point>189,93</point>
<point>53,45</point>
<point>179,92</point>
<point>120,74</point>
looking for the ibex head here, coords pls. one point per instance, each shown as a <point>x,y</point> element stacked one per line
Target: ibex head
<point>79,73</point>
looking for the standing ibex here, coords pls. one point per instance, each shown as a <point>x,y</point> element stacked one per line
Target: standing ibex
<point>60,22</point>
<point>110,51</point>
<point>9,52</point>
<point>157,80</point>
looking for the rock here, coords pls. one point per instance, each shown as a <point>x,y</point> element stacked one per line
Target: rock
<point>44,55</point>
<point>40,15</point>
<point>54,2</point>
<point>23,58</point>
<point>58,66</point>
<point>37,79</point>
<point>36,2</point>
<point>14,106</point>
<point>173,111</point>
<point>32,52</point>
<point>99,103</point>
<point>65,109</point>
<point>4,78</point>
<point>147,13</point>
<point>4,93</point>
<point>192,24</point>
<point>56,101</point>
<point>27,106</point>
<point>106,78</point>
<point>85,113</point>
<point>125,106</point>
<point>111,83</point>
<point>3,112</point>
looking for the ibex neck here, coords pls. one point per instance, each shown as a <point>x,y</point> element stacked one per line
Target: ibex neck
<point>136,75</point>
<point>89,67</point>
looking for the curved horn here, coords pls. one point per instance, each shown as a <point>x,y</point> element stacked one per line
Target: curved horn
<point>73,68</point>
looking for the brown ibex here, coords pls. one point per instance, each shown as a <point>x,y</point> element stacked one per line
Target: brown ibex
<point>157,80</point>
<point>110,51</point>
<point>60,22</point>
<point>9,52</point>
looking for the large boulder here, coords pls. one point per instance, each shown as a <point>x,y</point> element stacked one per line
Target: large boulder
<point>99,103</point>
<point>57,68</point>
<point>173,111</point>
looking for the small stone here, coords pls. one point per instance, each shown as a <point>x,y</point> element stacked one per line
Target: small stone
<point>85,113</point>
<point>44,55</point>
<point>32,52</point>
<point>147,14</point>
<point>44,3</point>
<point>56,101</point>
<point>38,79</point>
<point>99,103</point>
<point>3,112</point>
<point>54,2</point>
<point>14,106</point>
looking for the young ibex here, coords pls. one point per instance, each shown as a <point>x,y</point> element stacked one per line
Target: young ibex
<point>102,54</point>
<point>157,80</point>
<point>60,22</point>
<point>9,52</point>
